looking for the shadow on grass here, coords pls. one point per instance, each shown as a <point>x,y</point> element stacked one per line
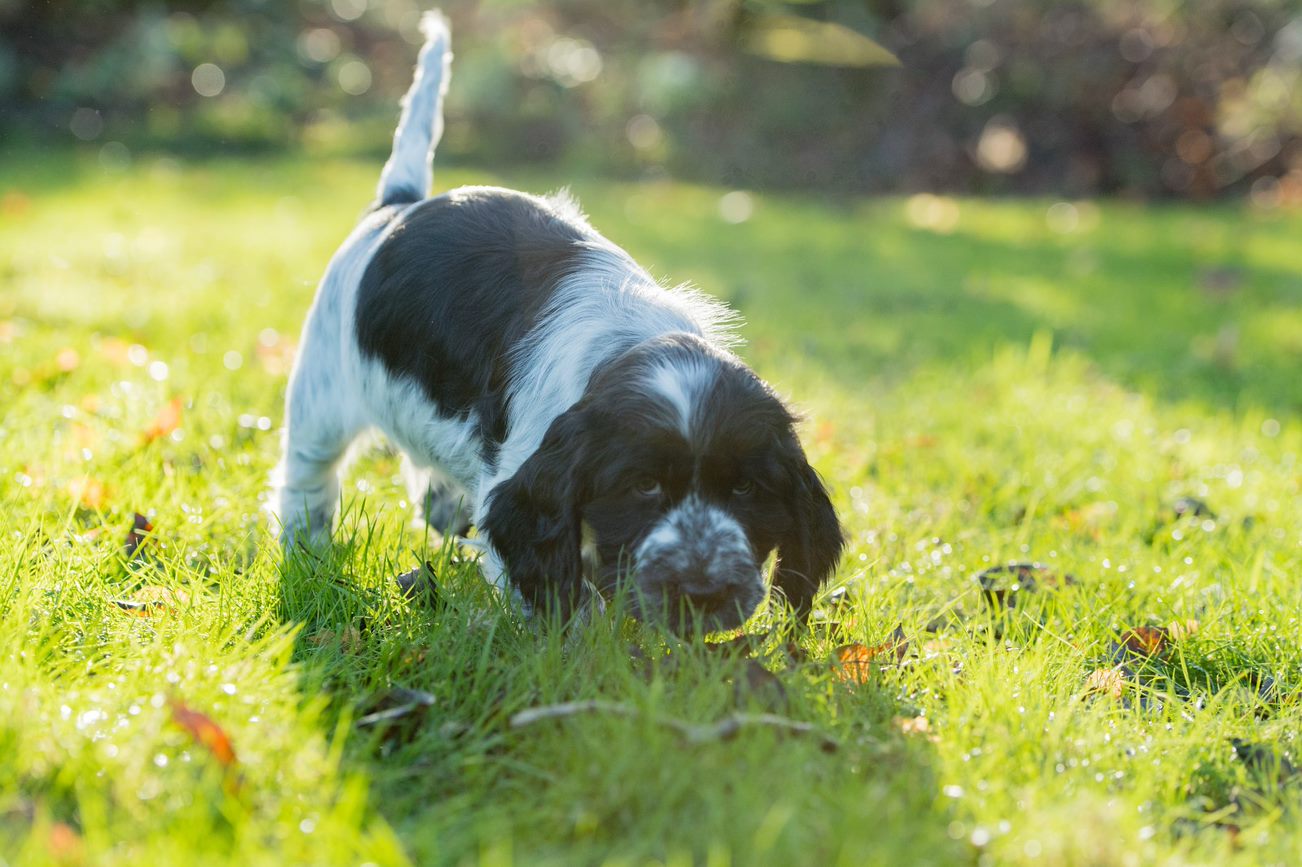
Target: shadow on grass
<point>457,776</point>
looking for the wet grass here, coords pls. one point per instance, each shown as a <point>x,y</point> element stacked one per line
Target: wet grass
<point>985,382</point>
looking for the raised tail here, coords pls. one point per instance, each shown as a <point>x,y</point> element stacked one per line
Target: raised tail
<point>410,170</point>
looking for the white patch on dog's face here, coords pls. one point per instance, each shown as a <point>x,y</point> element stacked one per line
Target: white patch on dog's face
<point>698,554</point>
<point>683,387</point>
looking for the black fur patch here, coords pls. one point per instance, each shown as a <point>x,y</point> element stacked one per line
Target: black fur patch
<point>740,454</point>
<point>458,281</point>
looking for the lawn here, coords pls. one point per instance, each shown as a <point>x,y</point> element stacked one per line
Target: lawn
<point>1110,390</point>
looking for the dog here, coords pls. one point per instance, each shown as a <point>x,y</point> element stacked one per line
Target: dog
<point>595,424</point>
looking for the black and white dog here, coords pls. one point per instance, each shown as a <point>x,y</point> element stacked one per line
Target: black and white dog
<point>586,415</point>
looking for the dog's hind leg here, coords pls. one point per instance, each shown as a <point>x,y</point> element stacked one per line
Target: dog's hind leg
<point>321,422</point>
<point>317,438</point>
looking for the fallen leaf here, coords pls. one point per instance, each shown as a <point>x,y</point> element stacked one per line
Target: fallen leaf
<point>1000,585</point>
<point>137,535</point>
<point>1146,641</point>
<point>151,600</point>
<point>205,732</point>
<point>419,583</point>
<point>349,638</point>
<point>1106,681</point>
<point>855,661</point>
<point>167,421</point>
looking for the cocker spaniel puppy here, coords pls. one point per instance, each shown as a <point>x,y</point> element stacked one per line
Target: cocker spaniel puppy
<point>594,422</point>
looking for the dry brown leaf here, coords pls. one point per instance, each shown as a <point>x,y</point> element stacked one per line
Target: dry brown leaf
<point>349,638</point>
<point>137,535</point>
<point>1146,640</point>
<point>1002,585</point>
<point>1106,681</point>
<point>167,421</point>
<point>206,732</point>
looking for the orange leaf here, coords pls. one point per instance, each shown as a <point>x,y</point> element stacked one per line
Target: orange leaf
<point>167,420</point>
<point>855,661</point>
<point>1146,640</point>
<point>206,732</point>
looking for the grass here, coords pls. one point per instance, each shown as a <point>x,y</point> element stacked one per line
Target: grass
<point>985,382</point>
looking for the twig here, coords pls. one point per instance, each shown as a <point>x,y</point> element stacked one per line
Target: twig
<point>725,729</point>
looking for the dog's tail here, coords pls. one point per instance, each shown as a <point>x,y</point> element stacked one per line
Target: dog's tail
<point>410,171</point>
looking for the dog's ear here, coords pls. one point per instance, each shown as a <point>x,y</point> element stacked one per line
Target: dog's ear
<point>811,547</point>
<point>533,518</point>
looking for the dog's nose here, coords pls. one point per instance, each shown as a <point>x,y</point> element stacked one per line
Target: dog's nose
<point>705,596</point>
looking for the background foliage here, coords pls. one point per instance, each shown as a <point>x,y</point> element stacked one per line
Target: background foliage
<point>1142,97</point>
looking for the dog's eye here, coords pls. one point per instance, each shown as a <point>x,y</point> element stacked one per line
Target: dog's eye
<point>744,488</point>
<point>647,487</point>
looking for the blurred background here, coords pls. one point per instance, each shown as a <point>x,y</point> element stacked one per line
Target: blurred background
<point>1137,98</point>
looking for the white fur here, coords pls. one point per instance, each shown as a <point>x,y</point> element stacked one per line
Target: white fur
<point>608,306</point>
<point>696,537</point>
<point>684,387</point>
<point>411,163</point>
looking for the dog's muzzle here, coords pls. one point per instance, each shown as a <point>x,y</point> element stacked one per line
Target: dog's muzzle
<point>695,570</point>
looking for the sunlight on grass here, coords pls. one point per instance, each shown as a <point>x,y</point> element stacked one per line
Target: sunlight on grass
<point>1113,396</point>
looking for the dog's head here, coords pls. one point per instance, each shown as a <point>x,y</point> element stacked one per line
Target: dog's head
<point>686,470</point>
